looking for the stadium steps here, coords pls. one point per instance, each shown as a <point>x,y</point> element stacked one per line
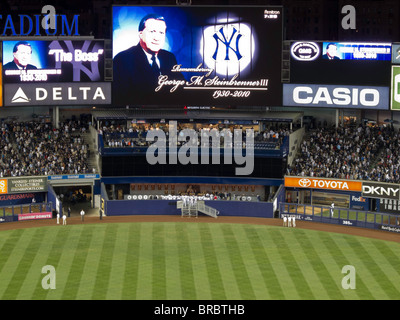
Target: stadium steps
<point>92,160</point>
<point>378,157</point>
<point>200,206</point>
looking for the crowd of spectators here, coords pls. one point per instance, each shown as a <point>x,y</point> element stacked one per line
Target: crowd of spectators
<point>37,148</point>
<point>359,153</point>
<point>121,136</point>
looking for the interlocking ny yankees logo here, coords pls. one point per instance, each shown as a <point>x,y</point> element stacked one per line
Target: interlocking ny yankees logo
<point>227,43</point>
<point>229,48</point>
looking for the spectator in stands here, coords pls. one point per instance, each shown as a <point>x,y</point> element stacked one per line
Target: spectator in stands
<point>35,148</point>
<point>349,153</point>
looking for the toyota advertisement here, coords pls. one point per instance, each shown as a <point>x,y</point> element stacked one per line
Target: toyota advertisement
<point>367,189</point>
<point>322,183</point>
<point>197,55</point>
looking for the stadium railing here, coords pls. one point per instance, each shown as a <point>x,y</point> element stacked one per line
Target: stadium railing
<point>341,216</point>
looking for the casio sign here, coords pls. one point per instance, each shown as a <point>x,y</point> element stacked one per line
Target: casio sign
<point>318,95</point>
<point>305,51</point>
<point>337,96</point>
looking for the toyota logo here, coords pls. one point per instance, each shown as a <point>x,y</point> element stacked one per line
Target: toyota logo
<point>305,183</point>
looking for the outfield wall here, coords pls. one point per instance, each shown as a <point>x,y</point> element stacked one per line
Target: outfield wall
<point>346,217</point>
<point>168,207</point>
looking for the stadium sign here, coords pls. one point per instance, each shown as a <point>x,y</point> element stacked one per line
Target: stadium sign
<point>395,86</point>
<point>34,216</point>
<point>305,51</point>
<point>389,205</point>
<point>48,24</point>
<point>341,63</point>
<point>334,96</point>
<point>23,184</point>
<point>73,93</point>
<point>74,176</point>
<point>380,190</point>
<point>31,184</point>
<point>390,228</point>
<point>321,183</point>
<point>358,51</point>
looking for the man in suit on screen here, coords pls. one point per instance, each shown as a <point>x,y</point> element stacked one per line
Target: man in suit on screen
<point>331,52</point>
<point>137,69</point>
<point>22,55</point>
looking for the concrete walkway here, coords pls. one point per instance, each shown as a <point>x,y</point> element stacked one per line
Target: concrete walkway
<point>77,207</point>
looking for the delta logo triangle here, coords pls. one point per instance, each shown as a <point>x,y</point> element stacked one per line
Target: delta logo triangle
<point>20,96</point>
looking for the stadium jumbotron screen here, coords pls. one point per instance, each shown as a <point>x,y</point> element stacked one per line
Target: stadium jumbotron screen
<point>40,61</point>
<point>341,63</point>
<point>203,55</point>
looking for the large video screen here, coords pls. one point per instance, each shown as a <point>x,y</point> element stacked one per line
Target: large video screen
<point>53,61</point>
<point>340,63</point>
<point>197,55</point>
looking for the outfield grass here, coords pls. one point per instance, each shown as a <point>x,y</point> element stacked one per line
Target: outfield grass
<point>194,261</point>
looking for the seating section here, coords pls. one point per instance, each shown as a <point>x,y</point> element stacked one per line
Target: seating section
<point>359,153</point>
<point>121,137</point>
<point>37,148</point>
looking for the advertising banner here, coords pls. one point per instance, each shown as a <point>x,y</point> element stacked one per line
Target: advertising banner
<point>395,89</point>
<point>3,186</point>
<point>19,198</point>
<point>8,219</point>
<point>359,202</point>
<point>380,190</point>
<point>395,53</point>
<point>322,183</point>
<point>59,94</point>
<point>34,216</point>
<point>197,55</point>
<point>53,61</point>
<point>389,205</point>
<point>31,184</point>
<point>336,96</point>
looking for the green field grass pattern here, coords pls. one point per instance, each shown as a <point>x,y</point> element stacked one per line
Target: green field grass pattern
<point>189,261</point>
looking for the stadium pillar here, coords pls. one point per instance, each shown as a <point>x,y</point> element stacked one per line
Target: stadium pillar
<point>56,117</point>
<point>337,118</point>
